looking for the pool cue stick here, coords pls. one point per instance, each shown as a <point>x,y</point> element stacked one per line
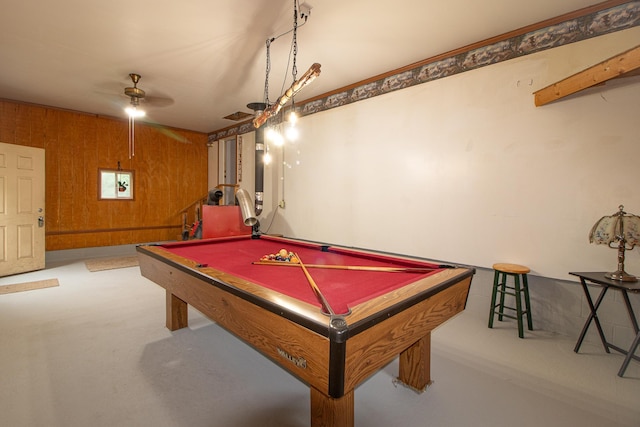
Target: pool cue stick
<point>316,290</point>
<point>353,267</point>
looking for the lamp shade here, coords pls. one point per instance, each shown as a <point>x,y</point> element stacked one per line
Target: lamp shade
<point>622,228</point>
<point>616,228</point>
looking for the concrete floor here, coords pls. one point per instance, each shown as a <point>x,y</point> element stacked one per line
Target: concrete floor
<point>94,352</point>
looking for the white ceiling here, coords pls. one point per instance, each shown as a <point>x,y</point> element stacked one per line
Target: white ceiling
<point>204,59</point>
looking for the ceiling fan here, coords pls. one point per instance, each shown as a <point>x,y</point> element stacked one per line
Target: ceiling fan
<point>135,94</point>
<point>138,98</point>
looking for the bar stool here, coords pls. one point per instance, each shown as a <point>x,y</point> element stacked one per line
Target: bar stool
<point>515,271</point>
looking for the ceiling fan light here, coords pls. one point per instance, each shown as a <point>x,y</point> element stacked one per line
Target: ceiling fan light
<point>134,112</point>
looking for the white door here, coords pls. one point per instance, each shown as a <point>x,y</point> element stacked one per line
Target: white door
<point>22,244</point>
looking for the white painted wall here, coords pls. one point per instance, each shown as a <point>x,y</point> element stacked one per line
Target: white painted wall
<point>467,170</point>
<point>212,164</point>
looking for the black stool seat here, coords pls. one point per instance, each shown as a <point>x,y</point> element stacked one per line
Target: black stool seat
<point>518,290</point>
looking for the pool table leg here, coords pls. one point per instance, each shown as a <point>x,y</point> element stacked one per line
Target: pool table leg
<point>176,312</point>
<point>415,364</point>
<point>329,412</point>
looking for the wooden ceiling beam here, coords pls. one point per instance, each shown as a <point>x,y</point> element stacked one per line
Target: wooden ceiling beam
<point>626,63</point>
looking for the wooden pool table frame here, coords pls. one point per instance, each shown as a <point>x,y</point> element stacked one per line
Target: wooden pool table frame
<point>330,354</point>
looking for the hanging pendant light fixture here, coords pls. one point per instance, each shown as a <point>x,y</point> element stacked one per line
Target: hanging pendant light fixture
<point>297,86</point>
<point>314,71</point>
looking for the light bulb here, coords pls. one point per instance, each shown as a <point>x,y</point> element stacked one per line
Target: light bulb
<point>271,134</point>
<point>134,112</point>
<point>266,158</point>
<point>292,133</point>
<point>293,117</point>
<point>278,140</point>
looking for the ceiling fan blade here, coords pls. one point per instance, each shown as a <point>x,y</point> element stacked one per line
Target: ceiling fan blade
<point>158,101</point>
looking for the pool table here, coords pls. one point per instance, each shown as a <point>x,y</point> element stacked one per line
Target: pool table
<point>352,313</point>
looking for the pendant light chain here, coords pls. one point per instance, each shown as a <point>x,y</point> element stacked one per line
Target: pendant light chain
<point>268,70</point>
<point>294,69</point>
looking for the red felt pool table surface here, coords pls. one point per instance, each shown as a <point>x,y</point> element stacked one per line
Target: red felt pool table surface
<point>341,288</point>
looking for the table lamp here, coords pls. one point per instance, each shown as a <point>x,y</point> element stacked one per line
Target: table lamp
<point>623,229</point>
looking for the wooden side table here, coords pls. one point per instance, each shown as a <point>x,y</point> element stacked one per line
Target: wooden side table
<point>599,279</point>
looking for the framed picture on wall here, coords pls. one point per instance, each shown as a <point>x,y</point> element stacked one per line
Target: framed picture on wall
<point>115,184</point>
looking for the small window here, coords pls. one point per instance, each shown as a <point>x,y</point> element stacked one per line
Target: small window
<point>115,184</point>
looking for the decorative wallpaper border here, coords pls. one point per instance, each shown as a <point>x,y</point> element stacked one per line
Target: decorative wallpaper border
<point>606,21</point>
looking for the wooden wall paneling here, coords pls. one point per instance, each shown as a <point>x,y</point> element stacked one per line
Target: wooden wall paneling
<point>92,160</point>
<point>63,166</point>
<point>122,211</point>
<point>8,122</point>
<point>120,238</point>
<point>158,177</point>
<point>90,178</point>
<point>169,174</point>
<point>117,143</point>
<point>52,177</point>
<point>194,149</point>
<point>113,144</point>
<point>187,183</point>
<point>84,155</point>
<point>144,163</point>
<point>155,175</point>
<point>201,159</point>
<point>4,127</point>
<point>38,138</point>
<point>37,122</point>
<point>181,188</point>
<point>162,179</point>
<point>23,125</point>
<point>61,153</point>
<point>182,185</point>
<point>68,151</point>
<point>55,242</point>
<point>144,212</point>
<point>107,135</point>
<point>195,176</point>
<point>174,173</point>
<point>140,166</point>
<point>88,128</point>
<point>78,200</point>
